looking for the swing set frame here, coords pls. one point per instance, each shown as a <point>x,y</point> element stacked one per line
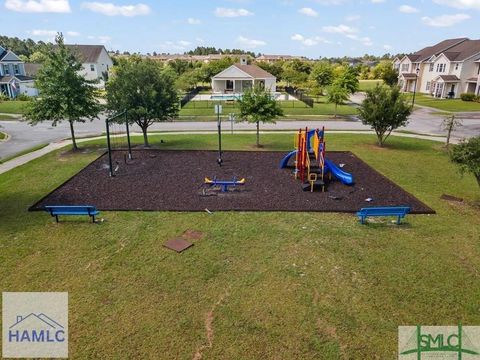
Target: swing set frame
<point>123,115</point>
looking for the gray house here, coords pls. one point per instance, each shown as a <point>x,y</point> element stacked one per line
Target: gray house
<point>13,80</point>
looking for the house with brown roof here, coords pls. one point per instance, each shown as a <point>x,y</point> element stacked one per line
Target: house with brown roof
<point>13,80</point>
<point>275,58</point>
<point>96,62</point>
<point>239,77</point>
<point>447,69</point>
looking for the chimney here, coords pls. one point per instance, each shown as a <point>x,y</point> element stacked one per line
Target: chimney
<point>243,60</point>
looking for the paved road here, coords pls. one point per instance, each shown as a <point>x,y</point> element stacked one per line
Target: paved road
<point>24,136</point>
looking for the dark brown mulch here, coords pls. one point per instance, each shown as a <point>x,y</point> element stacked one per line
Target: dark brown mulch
<point>173,181</point>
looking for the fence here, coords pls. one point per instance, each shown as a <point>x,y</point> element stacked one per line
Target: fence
<point>300,95</point>
<point>189,96</point>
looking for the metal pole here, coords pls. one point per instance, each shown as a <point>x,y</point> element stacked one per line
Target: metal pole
<point>109,150</point>
<point>128,137</point>
<point>219,125</point>
<point>414,90</point>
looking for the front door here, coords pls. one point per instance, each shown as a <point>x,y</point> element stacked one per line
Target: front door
<point>439,90</point>
<point>229,85</point>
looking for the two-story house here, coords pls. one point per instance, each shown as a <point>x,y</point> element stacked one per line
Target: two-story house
<point>446,69</point>
<point>96,62</point>
<point>13,80</point>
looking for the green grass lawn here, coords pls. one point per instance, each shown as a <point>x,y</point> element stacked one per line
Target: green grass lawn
<point>369,84</point>
<point>453,105</point>
<point>290,108</point>
<point>13,107</point>
<point>267,285</point>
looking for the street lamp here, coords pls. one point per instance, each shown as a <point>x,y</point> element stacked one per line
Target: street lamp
<point>415,86</point>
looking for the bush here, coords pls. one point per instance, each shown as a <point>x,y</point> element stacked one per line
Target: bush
<point>468,97</point>
<point>3,97</point>
<point>23,97</point>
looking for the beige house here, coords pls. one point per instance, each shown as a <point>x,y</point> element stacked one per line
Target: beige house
<point>275,58</point>
<point>238,77</point>
<point>447,69</point>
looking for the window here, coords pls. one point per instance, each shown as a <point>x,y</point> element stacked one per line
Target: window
<point>441,67</point>
<point>405,67</point>
<point>229,84</point>
<point>6,69</point>
<point>431,67</point>
<point>456,66</point>
<point>16,69</point>
<point>427,88</point>
<point>92,67</point>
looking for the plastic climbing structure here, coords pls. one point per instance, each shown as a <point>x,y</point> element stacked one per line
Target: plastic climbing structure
<point>311,165</point>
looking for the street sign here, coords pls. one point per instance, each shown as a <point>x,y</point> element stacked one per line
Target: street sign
<point>218,109</point>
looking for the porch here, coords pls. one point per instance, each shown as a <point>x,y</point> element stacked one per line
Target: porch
<point>234,86</point>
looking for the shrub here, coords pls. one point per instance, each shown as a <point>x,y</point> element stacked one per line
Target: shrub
<point>3,97</point>
<point>23,97</point>
<point>468,97</point>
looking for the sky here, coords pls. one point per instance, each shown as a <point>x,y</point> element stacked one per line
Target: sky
<point>312,28</point>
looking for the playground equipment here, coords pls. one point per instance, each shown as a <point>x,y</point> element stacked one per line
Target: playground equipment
<point>308,157</point>
<point>115,139</point>
<point>224,184</point>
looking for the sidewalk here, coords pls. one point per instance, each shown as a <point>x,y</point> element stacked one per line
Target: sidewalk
<point>24,159</point>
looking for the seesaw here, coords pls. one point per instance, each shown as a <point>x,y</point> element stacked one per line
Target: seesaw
<point>224,183</point>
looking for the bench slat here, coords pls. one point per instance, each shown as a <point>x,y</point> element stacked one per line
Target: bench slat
<point>399,211</point>
<point>56,210</point>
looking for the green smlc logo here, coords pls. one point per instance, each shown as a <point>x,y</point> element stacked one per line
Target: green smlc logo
<point>443,341</point>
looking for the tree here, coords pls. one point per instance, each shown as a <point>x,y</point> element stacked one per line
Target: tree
<point>322,75</point>
<point>449,125</point>
<point>385,71</point>
<point>145,90</point>
<point>337,95</point>
<point>348,79</point>
<point>384,109</point>
<point>257,105</point>
<point>467,156</point>
<point>65,94</point>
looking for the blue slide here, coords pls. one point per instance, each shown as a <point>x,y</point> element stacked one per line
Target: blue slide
<point>344,177</point>
<point>284,162</point>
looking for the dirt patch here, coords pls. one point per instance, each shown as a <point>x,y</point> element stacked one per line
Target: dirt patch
<point>192,235</point>
<point>159,180</point>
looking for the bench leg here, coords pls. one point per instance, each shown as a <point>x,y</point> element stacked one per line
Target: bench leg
<point>399,219</point>
<point>93,219</point>
<point>56,218</point>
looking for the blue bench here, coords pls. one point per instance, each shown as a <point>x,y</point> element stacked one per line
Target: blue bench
<point>399,211</point>
<point>72,210</point>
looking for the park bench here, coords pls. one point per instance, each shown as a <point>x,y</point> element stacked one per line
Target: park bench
<point>72,210</point>
<point>399,211</point>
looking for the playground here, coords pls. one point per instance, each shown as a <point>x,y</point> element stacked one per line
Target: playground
<point>175,181</point>
<point>283,285</point>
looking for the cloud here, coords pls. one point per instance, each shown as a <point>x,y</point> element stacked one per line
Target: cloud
<point>460,4</point>
<point>308,12</point>
<point>407,9</point>
<point>445,20</point>
<point>104,39</point>
<point>310,41</point>
<point>331,2</point>
<point>193,21</point>
<point>43,33</point>
<point>351,18</point>
<point>340,29</point>
<point>377,1</point>
<point>388,47</point>
<point>230,13</point>
<point>38,6</point>
<point>73,33</point>
<point>250,43</point>
<point>175,45</point>
<point>110,9</point>
<point>365,40</point>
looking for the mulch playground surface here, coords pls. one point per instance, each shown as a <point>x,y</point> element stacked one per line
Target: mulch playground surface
<point>174,181</point>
